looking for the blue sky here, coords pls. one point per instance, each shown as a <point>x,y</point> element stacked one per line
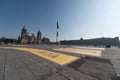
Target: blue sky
<point>77,18</point>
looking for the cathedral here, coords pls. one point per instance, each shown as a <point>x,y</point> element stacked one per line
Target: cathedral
<point>25,38</point>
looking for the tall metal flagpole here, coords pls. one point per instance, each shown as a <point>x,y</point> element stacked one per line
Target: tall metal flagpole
<point>56,36</point>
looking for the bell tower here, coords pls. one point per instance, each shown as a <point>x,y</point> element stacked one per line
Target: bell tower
<point>24,35</point>
<point>39,36</point>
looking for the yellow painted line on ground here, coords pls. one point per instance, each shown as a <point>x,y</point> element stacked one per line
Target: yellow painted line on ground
<point>91,48</point>
<point>58,58</point>
<point>81,51</point>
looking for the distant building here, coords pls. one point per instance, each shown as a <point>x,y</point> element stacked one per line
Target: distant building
<point>25,38</point>
<point>4,40</point>
<point>96,42</point>
<point>45,40</point>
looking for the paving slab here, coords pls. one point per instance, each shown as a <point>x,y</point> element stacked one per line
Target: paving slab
<point>98,68</point>
<point>58,58</point>
<point>81,51</point>
<point>15,69</point>
<point>23,65</point>
<point>46,71</point>
<point>114,55</point>
<point>2,63</point>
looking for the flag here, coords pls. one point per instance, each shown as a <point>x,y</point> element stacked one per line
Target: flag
<point>57,25</point>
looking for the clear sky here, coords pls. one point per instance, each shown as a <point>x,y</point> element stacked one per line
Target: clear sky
<point>77,18</point>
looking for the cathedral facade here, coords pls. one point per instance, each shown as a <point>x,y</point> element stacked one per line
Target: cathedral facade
<point>25,38</point>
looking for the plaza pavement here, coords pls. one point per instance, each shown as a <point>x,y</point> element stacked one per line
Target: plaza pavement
<point>49,62</point>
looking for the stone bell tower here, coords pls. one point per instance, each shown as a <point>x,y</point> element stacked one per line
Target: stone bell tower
<point>23,35</point>
<point>39,36</point>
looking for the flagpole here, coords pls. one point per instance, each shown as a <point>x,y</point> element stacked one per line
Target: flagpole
<point>57,33</point>
<point>56,37</point>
